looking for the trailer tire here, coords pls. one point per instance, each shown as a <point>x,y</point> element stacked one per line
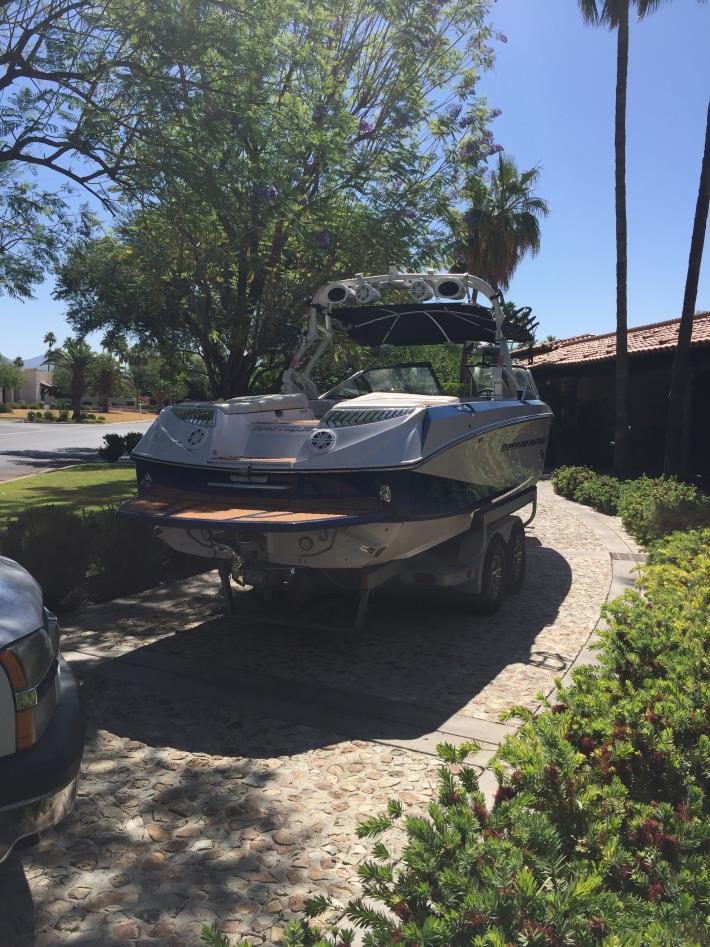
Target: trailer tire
<point>493,577</point>
<point>517,557</point>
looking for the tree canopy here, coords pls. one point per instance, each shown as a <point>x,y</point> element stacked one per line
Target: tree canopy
<point>10,374</point>
<point>326,137</point>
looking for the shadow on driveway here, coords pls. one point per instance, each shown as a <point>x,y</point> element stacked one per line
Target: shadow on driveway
<point>421,659</point>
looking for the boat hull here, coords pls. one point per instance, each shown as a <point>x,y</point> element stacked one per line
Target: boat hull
<point>336,519</point>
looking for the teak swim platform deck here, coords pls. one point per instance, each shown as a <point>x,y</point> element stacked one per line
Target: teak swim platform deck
<point>298,514</point>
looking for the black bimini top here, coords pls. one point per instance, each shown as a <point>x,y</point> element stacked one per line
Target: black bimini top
<point>417,323</point>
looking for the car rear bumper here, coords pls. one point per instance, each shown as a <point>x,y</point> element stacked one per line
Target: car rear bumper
<point>38,785</point>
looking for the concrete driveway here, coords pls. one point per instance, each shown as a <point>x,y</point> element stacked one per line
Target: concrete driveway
<point>31,448</point>
<point>228,763</point>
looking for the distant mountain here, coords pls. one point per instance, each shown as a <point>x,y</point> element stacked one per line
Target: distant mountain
<point>35,362</point>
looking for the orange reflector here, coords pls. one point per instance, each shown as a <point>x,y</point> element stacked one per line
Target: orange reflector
<point>25,729</point>
<point>14,670</point>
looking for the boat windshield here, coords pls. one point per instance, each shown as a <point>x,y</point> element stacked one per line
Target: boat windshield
<point>414,379</point>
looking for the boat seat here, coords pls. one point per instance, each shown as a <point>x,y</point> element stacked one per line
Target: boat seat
<point>248,404</point>
<point>397,399</point>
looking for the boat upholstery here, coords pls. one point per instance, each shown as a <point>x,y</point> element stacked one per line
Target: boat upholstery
<point>248,404</point>
<point>395,399</point>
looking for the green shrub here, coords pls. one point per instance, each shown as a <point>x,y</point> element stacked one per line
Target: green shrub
<point>48,416</point>
<point>34,416</point>
<point>4,408</point>
<point>646,504</point>
<point>131,440</point>
<point>600,829</point>
<point>72,554</point>
<point>126,552</point>
<point>112,449</point>
<point>649,507</point>
<point>50,542</point>
<point>63,415</point>
<point>600,492</point>
<point>566,480</point>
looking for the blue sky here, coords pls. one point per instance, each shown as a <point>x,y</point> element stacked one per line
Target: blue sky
<point>554,81</point>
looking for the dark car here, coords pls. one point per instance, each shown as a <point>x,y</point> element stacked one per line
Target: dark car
<point>41,722</point>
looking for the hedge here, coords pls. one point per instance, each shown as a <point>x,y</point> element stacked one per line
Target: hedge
<point>649,507</point>
<point>600,829</point>
<point>90,555</point>
<point>115,445</point>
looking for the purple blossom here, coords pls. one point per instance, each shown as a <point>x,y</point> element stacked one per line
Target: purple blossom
<point>487,137</point>
<point>467,120</point>
<point>454,110</point>
<point>322,239</point>
<point>267,192</point>
<point>495,113</point>
<point>410,215</point>
<point>365,127</point>
<point>501,37</point>
<point>470,149</point>
<point>496,149</point>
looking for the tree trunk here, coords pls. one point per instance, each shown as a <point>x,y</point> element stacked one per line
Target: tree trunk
<point>674,429</point>
<point>77,393</point>
<point>622,440</point>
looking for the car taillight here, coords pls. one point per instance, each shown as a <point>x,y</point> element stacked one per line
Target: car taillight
<point>30,664</point>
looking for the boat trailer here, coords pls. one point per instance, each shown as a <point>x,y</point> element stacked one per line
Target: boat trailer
<point>459,564</point>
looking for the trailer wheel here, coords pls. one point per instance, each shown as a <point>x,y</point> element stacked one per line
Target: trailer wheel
<point>493,577</point>
<point>516,559</point>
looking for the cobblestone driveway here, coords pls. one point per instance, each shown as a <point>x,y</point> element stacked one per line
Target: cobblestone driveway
<point>226,769</point>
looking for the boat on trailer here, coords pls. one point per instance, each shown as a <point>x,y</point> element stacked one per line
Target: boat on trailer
<point>379,470</point>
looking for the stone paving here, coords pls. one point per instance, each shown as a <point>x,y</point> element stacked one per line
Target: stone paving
<point>192,807</point>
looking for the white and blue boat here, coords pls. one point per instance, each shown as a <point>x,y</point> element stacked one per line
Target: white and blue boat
<point>382,467</point>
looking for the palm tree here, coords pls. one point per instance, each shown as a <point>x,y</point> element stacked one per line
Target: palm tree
<point>50,340</point>
<point>615,15</point>
<point>502,224</point>
<point>106,379</point>
<point>674,429</point>
<point>500,227</point>
<point>76,359</point>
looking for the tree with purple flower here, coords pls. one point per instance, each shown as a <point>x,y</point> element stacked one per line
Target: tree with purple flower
<point>332,151</point>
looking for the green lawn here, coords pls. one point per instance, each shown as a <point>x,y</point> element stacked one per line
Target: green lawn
<point>85,487</point>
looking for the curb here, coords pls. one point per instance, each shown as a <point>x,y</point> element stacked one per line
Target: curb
<point>38,473</point>
<point>624,562</point>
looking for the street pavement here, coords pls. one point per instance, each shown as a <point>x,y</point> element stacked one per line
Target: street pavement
<point>32,448</point>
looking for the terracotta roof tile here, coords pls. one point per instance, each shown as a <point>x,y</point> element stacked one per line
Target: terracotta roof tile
<point>657,337</point>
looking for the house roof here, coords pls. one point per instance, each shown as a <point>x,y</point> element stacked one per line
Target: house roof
<point>642,340</point>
